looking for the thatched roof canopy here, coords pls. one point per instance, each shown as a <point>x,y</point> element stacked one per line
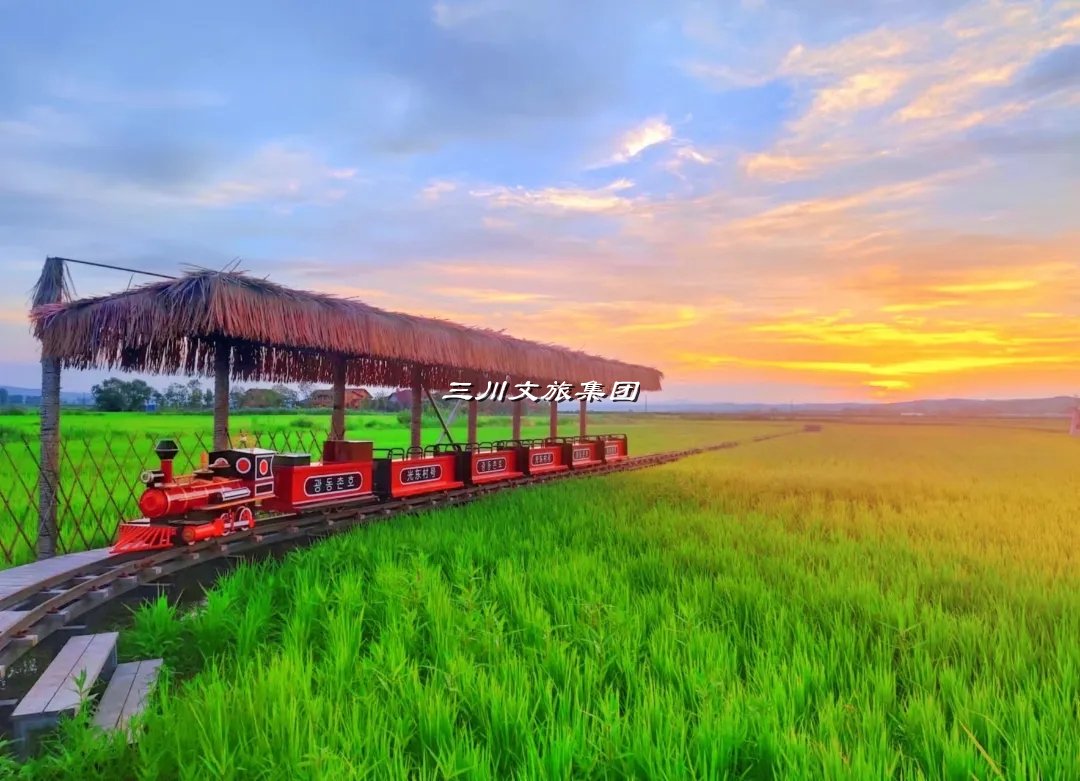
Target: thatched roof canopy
<point>282,335</point>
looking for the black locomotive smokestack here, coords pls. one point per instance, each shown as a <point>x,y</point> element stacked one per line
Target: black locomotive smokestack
<point>166,450</point>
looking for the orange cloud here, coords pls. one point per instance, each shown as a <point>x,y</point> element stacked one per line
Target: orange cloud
<point>687,317</point>
<point>488,296</point>
<point>925,306</point>
<point>952,364</point>
<point>778,166</point>
<point>1003,286</point>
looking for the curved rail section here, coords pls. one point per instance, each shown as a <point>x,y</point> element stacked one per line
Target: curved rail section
<point>47,596</point>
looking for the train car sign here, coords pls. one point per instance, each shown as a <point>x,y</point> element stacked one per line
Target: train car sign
<point>543,460</point>
<point>421,474</point>
<point>487,465</point>
<point>494,465</point>
<point>408,477</point>
<point>584,454</point>
<point>322,485</point>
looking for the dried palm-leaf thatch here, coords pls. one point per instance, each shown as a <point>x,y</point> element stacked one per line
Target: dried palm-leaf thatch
<point>284,335</point>
<point>54,284</point>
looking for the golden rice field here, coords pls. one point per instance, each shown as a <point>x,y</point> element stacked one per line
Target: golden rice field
<point>867,602</point>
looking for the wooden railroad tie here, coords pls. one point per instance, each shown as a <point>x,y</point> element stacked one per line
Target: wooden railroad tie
<point>63,688</point>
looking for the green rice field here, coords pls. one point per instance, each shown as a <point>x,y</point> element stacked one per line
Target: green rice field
<point>868,602</point>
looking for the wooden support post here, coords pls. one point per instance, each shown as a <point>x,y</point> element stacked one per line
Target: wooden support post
<point>474,407</point>
<point>51,288</point>
<point>583,418</point>
<point>417,396</point>
<point>221,395</point>
<point>337,418</point>
<point>515,420</point>
<point>49,478</point>
<point>554,420</point>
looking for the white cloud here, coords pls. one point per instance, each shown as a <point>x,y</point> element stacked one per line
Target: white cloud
<point>692,155</point>
<point>561,199</point>
<point>278,172</point>
<point>633,142</point>
<point>459,12</point>
<point>726,77</point>
<point>891,92</point>
<point>43,125</point>
<point>687,154</point>
<point>437,188</point>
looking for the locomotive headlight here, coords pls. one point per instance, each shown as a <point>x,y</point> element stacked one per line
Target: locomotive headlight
<point>150,476</point>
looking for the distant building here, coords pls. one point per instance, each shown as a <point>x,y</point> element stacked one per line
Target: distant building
<point>401,399</point>
<point>355,398</point>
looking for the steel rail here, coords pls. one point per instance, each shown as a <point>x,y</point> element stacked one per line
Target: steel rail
<point>57,600</point>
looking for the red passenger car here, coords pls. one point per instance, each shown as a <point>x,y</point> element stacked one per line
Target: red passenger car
<point>538,456</point>
<point>402,473</point>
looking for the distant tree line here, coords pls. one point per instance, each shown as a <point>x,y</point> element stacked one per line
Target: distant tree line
<point>17,399</point>
<point>277,397</point>
<point>116,395</point>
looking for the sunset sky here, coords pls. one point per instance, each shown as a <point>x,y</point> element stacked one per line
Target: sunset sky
<point>769,200</point>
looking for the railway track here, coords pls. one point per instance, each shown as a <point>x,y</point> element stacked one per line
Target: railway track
<point>31,612</point>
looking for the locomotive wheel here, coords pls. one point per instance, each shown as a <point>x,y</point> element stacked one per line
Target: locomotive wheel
<point>245,519</point>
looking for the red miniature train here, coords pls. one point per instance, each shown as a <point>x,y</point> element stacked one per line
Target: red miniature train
<point>222,496</point>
